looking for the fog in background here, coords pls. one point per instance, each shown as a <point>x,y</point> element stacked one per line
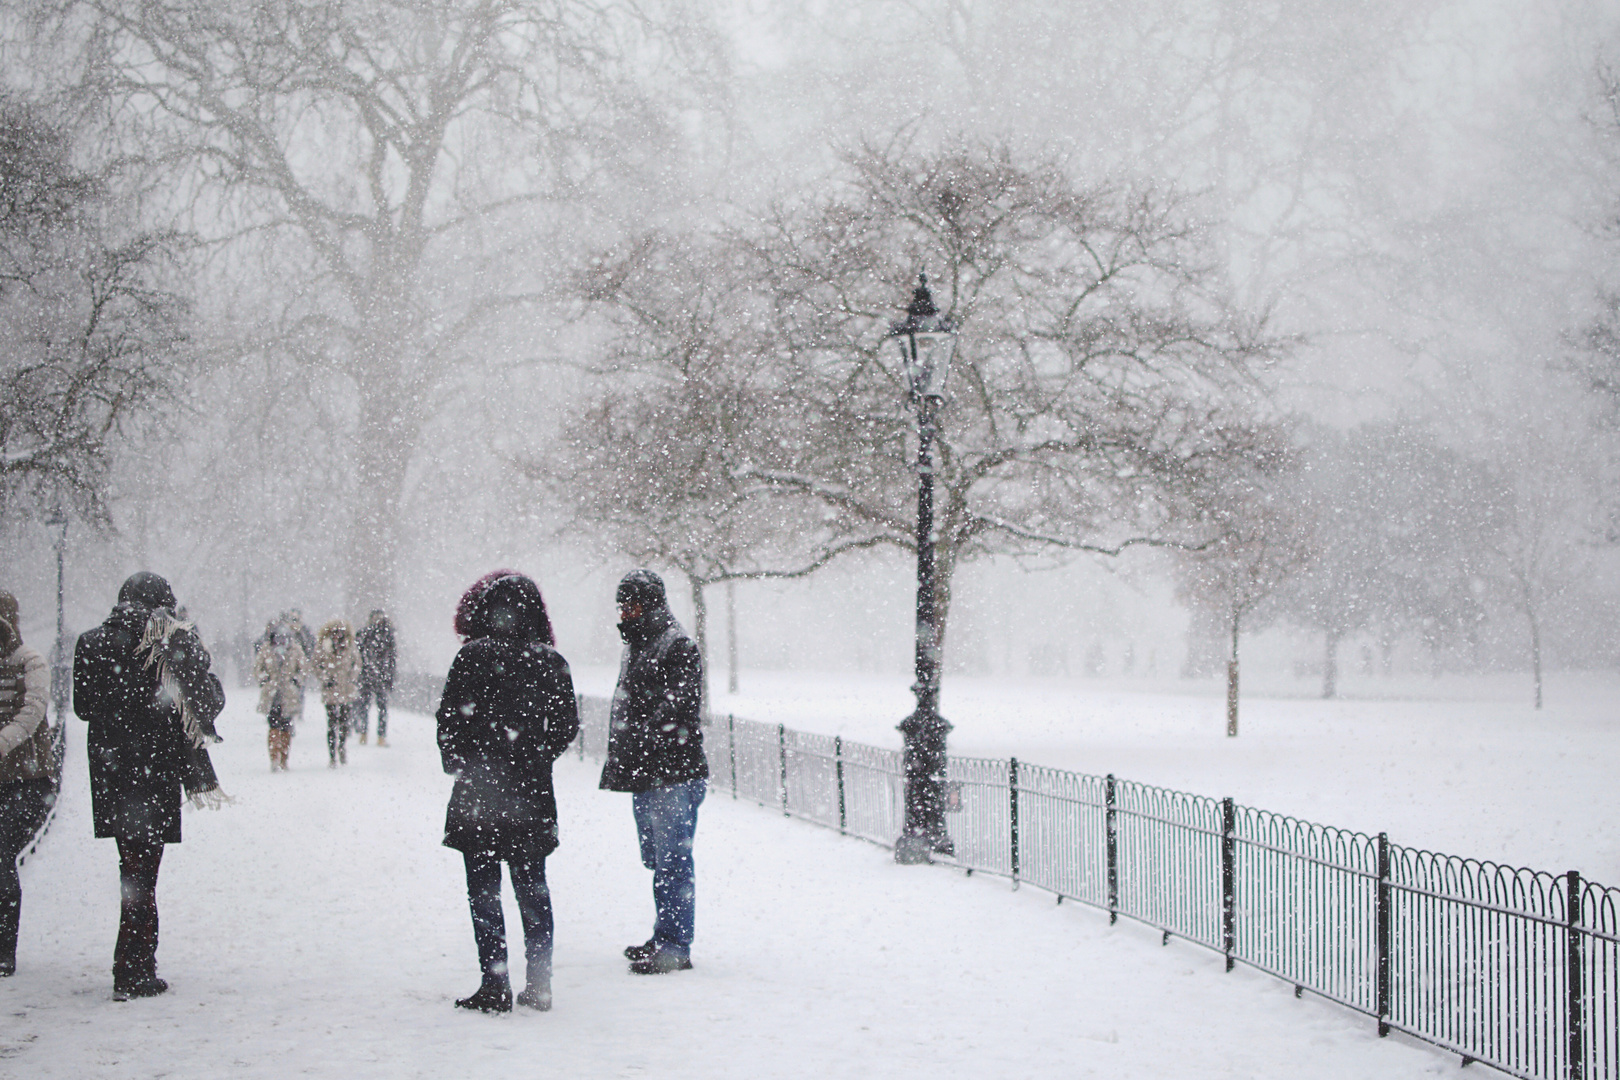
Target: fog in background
<point>1416,192</point>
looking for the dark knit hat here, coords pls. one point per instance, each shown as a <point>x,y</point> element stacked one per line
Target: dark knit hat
<point>148,590</point>
<point>642,587</point>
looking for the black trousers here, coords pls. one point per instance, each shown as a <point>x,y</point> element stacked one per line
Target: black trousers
<point>135,955</point>
<point>23,807</point>
<point>489,925</point>
<point>337,731</point>
<point>362,709</point>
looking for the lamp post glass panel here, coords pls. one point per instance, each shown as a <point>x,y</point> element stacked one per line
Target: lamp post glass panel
<point>926,340</point>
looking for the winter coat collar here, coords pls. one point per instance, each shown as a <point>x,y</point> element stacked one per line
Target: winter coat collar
<point>646,627</point>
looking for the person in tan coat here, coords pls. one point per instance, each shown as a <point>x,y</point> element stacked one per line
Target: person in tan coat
<point>337,668</point>
<point>28,766</point>
<point>281,669</point>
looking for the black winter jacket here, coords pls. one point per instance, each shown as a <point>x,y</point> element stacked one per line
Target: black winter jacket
<point>376,641</point>
<point>139,754</point>
<point>508,712</point>
<point>655,733</point>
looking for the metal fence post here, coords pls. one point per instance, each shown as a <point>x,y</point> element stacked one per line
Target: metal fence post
<point>1111,837</point>
<point>1228,881</point>
<point>1012,810</point>
<point>731,736</point>
<point>838,762</point>
<point>781,749</point>
<point>1577,1019</point>
<point>1384,927</point>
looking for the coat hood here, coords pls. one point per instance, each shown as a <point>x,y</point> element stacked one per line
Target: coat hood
<point>508,605</point>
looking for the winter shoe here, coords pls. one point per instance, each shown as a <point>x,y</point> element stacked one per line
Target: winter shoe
<point>490,998</point>
<point>8,967</point>
<point>536,997</point>
<point>662,961</point>
<point>144,988</point>
<point>363,739</point>
<point>380,741</point>
<point>642,951</point>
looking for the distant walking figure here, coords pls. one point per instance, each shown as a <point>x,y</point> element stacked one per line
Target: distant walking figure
<point>281,668</point>
<point>142,680</point>
<point>337,666</point>
<point>376,674</point>
<point>655,751</point>
<point>506,715</point>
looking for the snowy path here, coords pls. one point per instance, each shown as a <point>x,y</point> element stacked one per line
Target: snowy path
<point>317,928</point>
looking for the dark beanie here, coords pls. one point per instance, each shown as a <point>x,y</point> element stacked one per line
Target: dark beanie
<point>641,587</point>
<point>146,590</point>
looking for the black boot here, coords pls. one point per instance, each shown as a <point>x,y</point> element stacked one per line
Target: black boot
<point>492,997</point>
<point>536,996</point>
<point>139,988</point>
<point>642,951</point>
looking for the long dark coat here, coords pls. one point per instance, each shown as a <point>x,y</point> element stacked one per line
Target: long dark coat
<point>140,757</point>
<point>655,732</point>
<point>508,712</point>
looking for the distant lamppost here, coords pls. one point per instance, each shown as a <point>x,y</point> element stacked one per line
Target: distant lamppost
<point>59,659</point>
<point>926,340</point>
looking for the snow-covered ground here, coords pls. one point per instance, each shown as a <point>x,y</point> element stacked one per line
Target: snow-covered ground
<point>317,928</point>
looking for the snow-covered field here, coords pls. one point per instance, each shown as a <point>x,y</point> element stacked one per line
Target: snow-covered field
<point>317,928</point>
<point>1462,766</point>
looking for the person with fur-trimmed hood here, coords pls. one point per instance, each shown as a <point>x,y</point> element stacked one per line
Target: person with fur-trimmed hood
<point>507,713</point>
<point>28,766</point>
<point>281,669</point>
<point>142,681</point>
<point>337,667</point>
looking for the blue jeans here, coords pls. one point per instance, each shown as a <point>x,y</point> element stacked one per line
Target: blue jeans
<point>666,819</point>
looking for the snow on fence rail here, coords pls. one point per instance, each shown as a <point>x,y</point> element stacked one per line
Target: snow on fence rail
<point>1516,969</point>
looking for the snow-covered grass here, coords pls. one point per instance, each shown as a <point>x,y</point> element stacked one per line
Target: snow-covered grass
<point>317,928</point>
<point>1463,766</point>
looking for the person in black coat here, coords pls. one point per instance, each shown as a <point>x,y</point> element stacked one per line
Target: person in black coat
<point>142,681</point>
<point>655,752</point>
<point>377,655</point>
<point>507,713</point>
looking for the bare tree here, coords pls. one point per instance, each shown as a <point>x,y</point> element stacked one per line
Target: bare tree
<point>1103,380</point>
<point>386,159</point>
<point>90,329</point>
<point>1263,540</point>
<point>688,395</point>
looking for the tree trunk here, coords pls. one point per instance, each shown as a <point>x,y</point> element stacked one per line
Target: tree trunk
<point>385,439</point>
<point>700,631</point>
<point>1232,681</point>
<point>1330,665</point>
<point>731,637</point>
<point>1535,649</point>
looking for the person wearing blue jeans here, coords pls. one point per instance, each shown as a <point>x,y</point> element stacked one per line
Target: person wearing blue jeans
<point>655,752</point>
<point>666,820</point>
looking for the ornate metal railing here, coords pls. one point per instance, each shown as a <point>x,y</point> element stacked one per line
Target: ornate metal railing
<point>1511,968</point>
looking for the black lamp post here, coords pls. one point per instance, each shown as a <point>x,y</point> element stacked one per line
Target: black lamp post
<point>927,341</point>
<point>60,672</point>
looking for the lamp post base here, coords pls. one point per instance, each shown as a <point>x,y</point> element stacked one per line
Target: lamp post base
<point>912,850</point>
